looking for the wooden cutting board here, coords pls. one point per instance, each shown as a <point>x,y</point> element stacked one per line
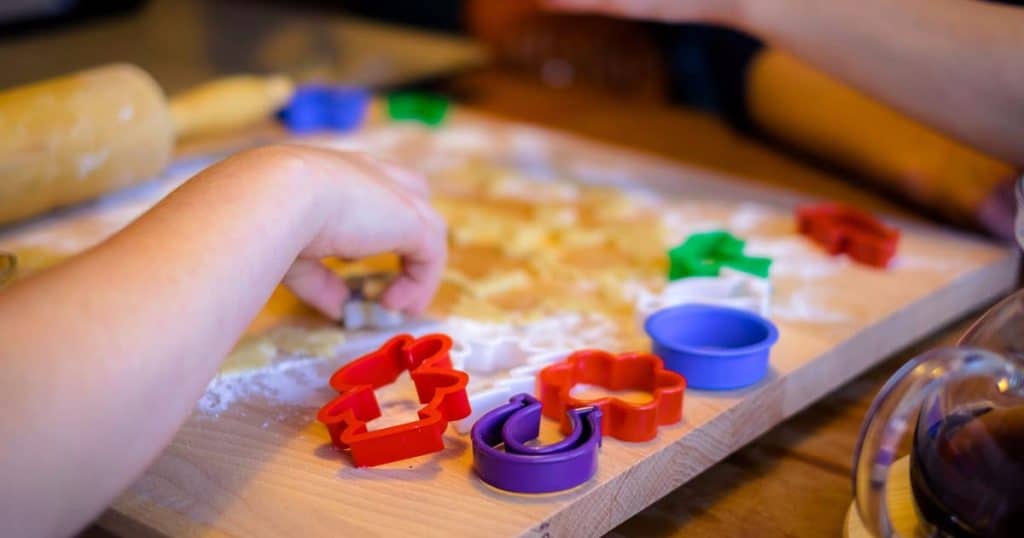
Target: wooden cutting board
<point>260,467</point>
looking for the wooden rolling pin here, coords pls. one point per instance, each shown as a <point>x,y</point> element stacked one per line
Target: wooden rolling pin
<point>69,139</point>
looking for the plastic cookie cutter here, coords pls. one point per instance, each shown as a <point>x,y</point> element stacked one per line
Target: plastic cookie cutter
<point>438,385</point>
<point>840,228</point>
<point>422,107</point>
<point>705,254</point>
<point>629,371</point>
<point>361,310</point>
<point>731,288</point>
<point>714,347</point>
<point>490,355</point>
<point>325,107</point>
<point>535,469</point>
<point>521,379</point>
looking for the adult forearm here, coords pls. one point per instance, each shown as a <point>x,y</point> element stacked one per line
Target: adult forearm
<point>954,64</point>
<point>100,373</point>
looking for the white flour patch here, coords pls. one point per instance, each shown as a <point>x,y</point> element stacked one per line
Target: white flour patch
<point>803,306</point>
<point>517,187</point>
<point>601,171</point>
<point>678,224</point>
<point>796,257</point>
<point>301,384</point>
<point>464,140</point>
<point>749,217</point>
<point>294,389</point>
<point>297,383</point>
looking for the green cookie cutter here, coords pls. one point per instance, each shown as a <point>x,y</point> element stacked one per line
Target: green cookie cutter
<point>704,254</point>
<point>415,106</point>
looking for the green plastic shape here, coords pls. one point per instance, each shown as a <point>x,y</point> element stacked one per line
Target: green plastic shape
<point>704,254</point>
<point>415,106</point>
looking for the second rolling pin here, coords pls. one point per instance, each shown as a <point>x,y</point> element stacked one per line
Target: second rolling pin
<point>72,138</point>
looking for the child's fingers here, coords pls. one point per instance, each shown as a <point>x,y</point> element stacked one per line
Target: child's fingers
<point>317,286</point>
<point>423,261</point>
<point>383,208</point>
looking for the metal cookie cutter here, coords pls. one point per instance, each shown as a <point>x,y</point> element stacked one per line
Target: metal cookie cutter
<point>361,310</point>
<point>840,228</point>
<point>535,469</point>
<point>438,385</point>
<point>622,420</point>
<point>521,379</point>
<point>705,254</point>
<point>732,288</point>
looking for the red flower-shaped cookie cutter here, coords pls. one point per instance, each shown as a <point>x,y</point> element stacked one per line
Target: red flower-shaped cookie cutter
<point>630,371</point>
<point>842,228</point>
<point>438,385</point>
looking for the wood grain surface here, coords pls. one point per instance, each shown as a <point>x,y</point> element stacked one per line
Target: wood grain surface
<point>253,472</point>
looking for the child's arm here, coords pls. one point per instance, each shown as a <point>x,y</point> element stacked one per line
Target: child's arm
<point>104,356</point>
<point>952,64</point>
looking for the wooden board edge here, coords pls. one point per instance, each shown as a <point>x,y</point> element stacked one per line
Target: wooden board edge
<point>617,500</point>
<point>994,281</point>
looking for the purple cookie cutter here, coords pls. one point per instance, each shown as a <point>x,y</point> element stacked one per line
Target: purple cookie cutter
<point>534,469</point>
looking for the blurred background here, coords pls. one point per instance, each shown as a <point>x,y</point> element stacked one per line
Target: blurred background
<point>705,95</point>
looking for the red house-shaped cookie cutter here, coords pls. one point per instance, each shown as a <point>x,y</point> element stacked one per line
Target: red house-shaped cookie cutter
<point>438,385</point>
<point>620,419</point>
<point>841,228</point>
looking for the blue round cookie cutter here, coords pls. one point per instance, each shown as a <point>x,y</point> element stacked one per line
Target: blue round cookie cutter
<point>713,347</point>
<point>317,107</point>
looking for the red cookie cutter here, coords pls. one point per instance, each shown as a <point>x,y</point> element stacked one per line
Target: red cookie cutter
<point>842,228</point>
<point>630,371</point>
<point>438,385</point>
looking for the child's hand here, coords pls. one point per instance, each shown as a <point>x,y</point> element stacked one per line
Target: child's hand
<point>371,207</point>
<point>147,315</point>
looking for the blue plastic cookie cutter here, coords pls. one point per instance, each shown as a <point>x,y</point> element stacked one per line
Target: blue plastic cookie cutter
<point>324,107</point>
<point>713,347</point>
<point>534,469</point>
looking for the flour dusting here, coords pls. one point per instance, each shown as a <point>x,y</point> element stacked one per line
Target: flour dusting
<point>297,383</point>
<point>803,306</point>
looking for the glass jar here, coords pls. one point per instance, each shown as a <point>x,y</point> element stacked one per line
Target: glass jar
<point>966,407</point>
